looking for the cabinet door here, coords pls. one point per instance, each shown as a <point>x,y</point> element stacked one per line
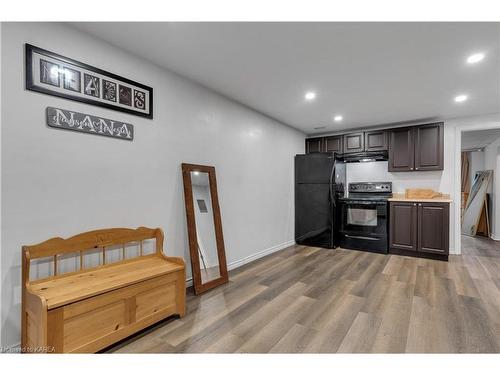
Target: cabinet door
<point>354,142</point>
<point>403,226</point>
<point>376,140</point>
<point>401,150</point>
<point>333,144</point>
<point>429,142</point>
<point>314,145</point>
<point>433,227</point>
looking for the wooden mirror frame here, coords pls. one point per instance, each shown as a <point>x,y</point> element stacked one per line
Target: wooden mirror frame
<point>199,287</point>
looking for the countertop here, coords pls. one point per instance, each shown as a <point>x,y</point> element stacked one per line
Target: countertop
<point>400,197</point>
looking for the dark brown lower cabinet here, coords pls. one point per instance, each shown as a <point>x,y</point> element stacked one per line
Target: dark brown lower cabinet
<point>403,226</point>
<point>419,228</point>
<point>433,227</point>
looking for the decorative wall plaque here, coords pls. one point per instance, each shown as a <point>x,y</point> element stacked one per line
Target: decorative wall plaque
<point>53,74</point>
<point>81,122</point>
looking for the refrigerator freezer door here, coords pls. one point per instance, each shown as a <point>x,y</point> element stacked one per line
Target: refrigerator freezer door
<point>313,215</point>
<point>313,168</point>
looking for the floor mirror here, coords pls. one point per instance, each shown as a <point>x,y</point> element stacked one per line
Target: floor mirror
<point>206,241</point>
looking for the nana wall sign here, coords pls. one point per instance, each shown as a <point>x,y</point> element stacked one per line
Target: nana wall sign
<point>70,120</point>
<point>53,74</point>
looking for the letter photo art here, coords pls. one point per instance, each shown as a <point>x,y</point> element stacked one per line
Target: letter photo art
<point>54,74</point>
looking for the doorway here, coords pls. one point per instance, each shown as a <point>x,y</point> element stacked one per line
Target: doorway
<point>480,169</point>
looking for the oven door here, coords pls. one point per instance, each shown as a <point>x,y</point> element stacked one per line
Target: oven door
<point>364,219</point>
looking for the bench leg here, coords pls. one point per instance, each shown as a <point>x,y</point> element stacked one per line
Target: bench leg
<point>181,294</point>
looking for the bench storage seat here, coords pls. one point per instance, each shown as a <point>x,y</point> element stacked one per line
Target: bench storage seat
<point>90,309</point>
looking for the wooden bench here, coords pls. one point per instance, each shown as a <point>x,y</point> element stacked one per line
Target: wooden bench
<point>91,308</point>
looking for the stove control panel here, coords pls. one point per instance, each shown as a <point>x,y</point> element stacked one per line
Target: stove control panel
<point>370,187</point>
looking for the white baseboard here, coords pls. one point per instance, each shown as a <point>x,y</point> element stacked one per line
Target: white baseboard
<point>494,237</point>
<point>260,254</point>
<point>251,258</point>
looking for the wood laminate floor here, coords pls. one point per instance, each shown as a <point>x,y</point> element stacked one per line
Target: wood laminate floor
<point>311,300</point>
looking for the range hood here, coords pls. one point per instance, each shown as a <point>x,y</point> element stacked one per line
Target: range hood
<point>360,157</point>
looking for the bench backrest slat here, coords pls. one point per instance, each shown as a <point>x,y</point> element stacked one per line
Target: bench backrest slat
<point>93,240</point>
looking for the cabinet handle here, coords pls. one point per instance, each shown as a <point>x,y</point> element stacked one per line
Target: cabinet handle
<point>411,168</point>
<point>420,204</point>
<point>414,204</point>
<point>416,168</point>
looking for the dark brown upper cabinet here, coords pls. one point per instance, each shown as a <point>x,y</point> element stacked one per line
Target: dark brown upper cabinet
<point>376,140</point>
<point>401,150</point>
<point>354,142</point>
<point>333,144</point>
<point>314,145</point>
<point>429,141</point>
<point>419,227</point>
<point>416,148</point>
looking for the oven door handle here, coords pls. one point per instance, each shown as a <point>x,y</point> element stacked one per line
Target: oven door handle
<point>365,203</point>
<point>362,237</point>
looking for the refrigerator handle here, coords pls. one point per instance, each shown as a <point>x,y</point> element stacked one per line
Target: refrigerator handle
<point>332,176</point>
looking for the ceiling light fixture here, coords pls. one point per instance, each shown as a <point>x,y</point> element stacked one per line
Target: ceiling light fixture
<point>460,98</point>
<point>475,58</point>
<point>310,95</point>
<point>337,118</point>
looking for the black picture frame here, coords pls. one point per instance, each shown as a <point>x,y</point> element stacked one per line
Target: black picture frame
<point>80,96</point>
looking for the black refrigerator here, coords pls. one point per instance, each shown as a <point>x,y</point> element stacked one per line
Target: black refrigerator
<point>319,180</point>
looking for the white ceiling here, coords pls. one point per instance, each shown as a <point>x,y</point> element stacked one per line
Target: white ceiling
<point>371,73</point>
<point>479,138</point>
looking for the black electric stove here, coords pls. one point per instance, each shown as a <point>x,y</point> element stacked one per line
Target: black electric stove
<point>364,218</point>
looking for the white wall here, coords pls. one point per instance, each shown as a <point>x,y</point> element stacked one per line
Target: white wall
<point>1,278</point>
<point>492,162</point>
<point>378,172</point>
<point>476,163</point>
<point>61,183</point>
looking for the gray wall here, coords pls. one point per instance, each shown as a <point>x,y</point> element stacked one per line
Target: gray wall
<point>61,183</point>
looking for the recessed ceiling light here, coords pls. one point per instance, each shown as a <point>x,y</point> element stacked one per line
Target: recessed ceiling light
<point>475,58</point>
<point>338,118</point>
<point>460,98</point>
<point>310,95</point>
